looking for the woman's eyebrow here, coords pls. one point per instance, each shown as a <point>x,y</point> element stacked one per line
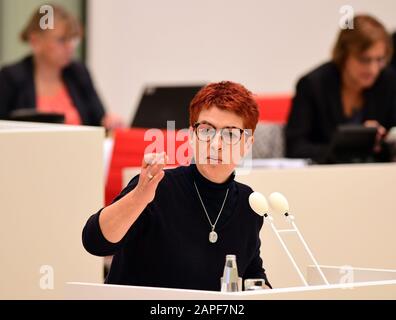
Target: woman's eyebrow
<point>226,127</point>
<point>207,122</point>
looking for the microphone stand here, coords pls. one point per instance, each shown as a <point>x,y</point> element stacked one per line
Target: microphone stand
<point>290,219</point>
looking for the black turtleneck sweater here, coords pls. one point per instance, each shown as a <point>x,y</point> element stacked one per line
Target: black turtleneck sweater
<point>168,245</point>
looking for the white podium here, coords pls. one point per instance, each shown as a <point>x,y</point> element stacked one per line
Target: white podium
<point>345,283</point>
<point>349,218</point>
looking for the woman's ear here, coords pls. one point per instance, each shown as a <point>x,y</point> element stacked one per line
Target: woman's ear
<point>34,41</point>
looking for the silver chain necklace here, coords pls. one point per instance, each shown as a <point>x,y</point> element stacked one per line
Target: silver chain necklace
<point>212,234</point>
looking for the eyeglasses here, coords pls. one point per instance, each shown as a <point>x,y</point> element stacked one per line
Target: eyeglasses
<point>63,40</point>
<point>229,135</point>
<point>364,60</point>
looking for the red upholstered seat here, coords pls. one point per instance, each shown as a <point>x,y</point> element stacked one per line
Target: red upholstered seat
<point>274,108</point>
<point>130,146</point>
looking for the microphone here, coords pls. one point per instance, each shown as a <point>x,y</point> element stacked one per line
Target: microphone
<point>279,203</point>
<point>258,203</point>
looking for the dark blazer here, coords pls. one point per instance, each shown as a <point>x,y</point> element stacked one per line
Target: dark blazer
<point>17,90</point>
<point>317,110</point>
<point>393,62</point>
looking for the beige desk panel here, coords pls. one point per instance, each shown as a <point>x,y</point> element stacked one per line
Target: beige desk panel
<point>51,180</point>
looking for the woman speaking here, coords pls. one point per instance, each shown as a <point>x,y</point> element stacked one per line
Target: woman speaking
<point>174,228</point>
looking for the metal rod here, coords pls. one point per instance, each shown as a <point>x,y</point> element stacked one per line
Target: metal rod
<point>289,255</point>
<point>286,230</point>
<point>309,252</point>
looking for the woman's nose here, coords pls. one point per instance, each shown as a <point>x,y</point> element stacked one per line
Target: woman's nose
<point>217,141</point>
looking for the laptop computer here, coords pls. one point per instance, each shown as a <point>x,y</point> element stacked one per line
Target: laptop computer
<point>159,104</point>
<point>32,115</point>
<point>352,144</point>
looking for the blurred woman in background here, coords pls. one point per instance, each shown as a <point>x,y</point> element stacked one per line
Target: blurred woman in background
<point>356,87</point>
<point>49,80</point>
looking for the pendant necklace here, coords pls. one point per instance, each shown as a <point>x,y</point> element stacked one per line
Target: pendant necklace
<point>212,234</point>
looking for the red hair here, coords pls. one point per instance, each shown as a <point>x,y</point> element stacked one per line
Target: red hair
<point>229,96</point>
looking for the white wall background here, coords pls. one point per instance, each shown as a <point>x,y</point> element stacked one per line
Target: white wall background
<point>265,45</point>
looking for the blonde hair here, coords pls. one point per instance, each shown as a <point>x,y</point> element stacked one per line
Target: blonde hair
<point>73,26</point>
<point>366,32</point>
